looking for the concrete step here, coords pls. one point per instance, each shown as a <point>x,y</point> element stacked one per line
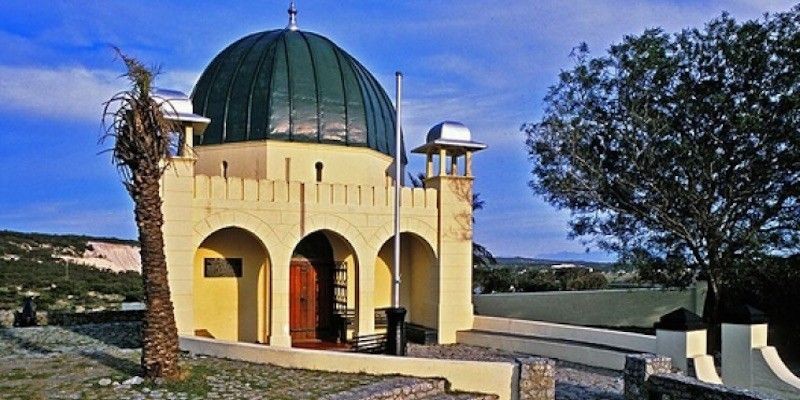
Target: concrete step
<point>579,352</point>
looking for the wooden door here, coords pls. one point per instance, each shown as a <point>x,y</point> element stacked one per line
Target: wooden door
<point>303,306</point>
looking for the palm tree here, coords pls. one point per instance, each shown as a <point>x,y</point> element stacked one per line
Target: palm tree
<point>142,135</point>
<point>481,256</point>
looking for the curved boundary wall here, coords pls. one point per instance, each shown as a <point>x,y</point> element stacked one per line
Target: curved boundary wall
<point>498,378</point>
<point>613,307</point>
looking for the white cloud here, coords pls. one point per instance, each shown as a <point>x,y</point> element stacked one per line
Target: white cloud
<point>75,93</point>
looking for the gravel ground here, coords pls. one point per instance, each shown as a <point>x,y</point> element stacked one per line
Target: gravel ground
<point>573,381</point>
<point>102,361</point>
<point>95,361</point>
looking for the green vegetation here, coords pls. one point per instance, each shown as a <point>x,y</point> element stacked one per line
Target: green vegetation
<point>30,265</point>
<point>193,382</point>
<point>86,287</point>
<point>10,241</point>
<point>509,279</point>
<point>680,146</point>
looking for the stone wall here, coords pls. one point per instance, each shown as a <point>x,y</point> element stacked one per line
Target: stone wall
<point>537,378</point>
<point>651,377</point>
<point>638,369</point>
<point>680,387</point>
<point>7,317</point>
<point>95,317</point>
<point>613,307</point>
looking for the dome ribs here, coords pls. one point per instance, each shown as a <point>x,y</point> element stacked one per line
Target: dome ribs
<point>253,129</point>
<point>344,93</point>
<point>242,134</point>
<point>295,86</point>
<point>316,85</point>
<point>333,107</point>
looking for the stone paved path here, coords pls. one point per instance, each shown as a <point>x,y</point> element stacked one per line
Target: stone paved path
<point>93,361</point>
<point>101,362</point>
<point>573,381</point>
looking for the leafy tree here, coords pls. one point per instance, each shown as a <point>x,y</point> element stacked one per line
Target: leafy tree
<point>668,271</point>
<point>684,144</point>
<point>588,281</point>
<point>495,280</point>
<point>142,139</point>
<point>533,280</point>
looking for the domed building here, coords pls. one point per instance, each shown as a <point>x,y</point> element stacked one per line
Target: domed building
<point>279,205</point>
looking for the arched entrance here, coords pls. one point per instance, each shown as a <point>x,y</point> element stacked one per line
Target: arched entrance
<point>322,291</point>
<point>231,287</point>
<point>419,274</point>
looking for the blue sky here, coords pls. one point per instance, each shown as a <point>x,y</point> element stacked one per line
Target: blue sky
<point>487,64</point>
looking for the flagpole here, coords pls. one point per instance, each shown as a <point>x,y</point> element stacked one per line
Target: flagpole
<point>398,161</point>
<point>396,315</point>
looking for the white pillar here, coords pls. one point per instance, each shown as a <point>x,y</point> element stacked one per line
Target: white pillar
<point>744,329</point>
<point>681,335</point>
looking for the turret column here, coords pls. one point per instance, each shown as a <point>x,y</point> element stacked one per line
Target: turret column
<point>454,189</point>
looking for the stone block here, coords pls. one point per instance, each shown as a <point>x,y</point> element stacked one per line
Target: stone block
<point>638,368</point>
<point>537,378</point>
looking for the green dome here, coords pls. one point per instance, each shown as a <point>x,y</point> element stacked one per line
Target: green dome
<point>295,86</point>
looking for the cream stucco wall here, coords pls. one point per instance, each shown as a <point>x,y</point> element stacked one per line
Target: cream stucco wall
<point>268,160</point>
<point>232,308</point>
<point>353,203</point>
<point>419,271</point>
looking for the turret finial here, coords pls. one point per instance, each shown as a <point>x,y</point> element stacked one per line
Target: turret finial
<point>292,17</point>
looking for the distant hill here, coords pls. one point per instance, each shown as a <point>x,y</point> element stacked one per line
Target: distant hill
<point>101,252</point>
<point>68,272</point>
<point>526,262</point>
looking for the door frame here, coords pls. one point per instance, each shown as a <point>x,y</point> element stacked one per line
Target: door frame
<point>323,300</point>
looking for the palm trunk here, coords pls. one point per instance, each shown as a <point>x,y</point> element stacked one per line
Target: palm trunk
<point>159,333</point>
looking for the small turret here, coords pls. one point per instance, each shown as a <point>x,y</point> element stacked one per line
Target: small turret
<point>453,139</point>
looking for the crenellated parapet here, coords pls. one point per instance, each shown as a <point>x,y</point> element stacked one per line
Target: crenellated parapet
<point>270,193</point>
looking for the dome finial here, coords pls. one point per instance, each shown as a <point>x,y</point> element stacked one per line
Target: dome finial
<point>292,17</point>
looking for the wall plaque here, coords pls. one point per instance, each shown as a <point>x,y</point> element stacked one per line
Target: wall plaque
<point>222,267</point>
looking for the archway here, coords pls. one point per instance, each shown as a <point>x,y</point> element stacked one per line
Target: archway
<point>231,287</point>
<point>419,274</point>
<point>322,289</point>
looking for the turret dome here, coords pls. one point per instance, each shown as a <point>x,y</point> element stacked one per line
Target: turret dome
<point>292,85</point>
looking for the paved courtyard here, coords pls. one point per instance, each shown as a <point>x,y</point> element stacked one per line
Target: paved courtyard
<point>101,362</point>
<point>573,381</point>
<point>95,361</point>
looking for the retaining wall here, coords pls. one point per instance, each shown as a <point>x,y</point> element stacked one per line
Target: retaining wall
<point>613,307</point>
<point>590,346</point>
<point>650,377</point>
<point>499,378</point>
<point>8,317</point>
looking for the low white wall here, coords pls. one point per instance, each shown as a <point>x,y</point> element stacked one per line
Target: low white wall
<point>748,361</point>
<point>771,375</point>
<point>615,307</point>
<point>586,355</point>
<point>705,370</point>
<point>565,342</point>
<point>497,378</point>
<point>634,342</point>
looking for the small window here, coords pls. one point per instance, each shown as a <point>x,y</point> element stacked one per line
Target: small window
<point>318,166</point>
<point>222,267</point>
<point>224,171</point>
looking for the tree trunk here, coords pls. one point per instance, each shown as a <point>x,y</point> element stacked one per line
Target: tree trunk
<point>712,314</point>
<point>159,333</point>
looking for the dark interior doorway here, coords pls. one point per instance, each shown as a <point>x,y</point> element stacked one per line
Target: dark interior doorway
<point>311,291</point>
